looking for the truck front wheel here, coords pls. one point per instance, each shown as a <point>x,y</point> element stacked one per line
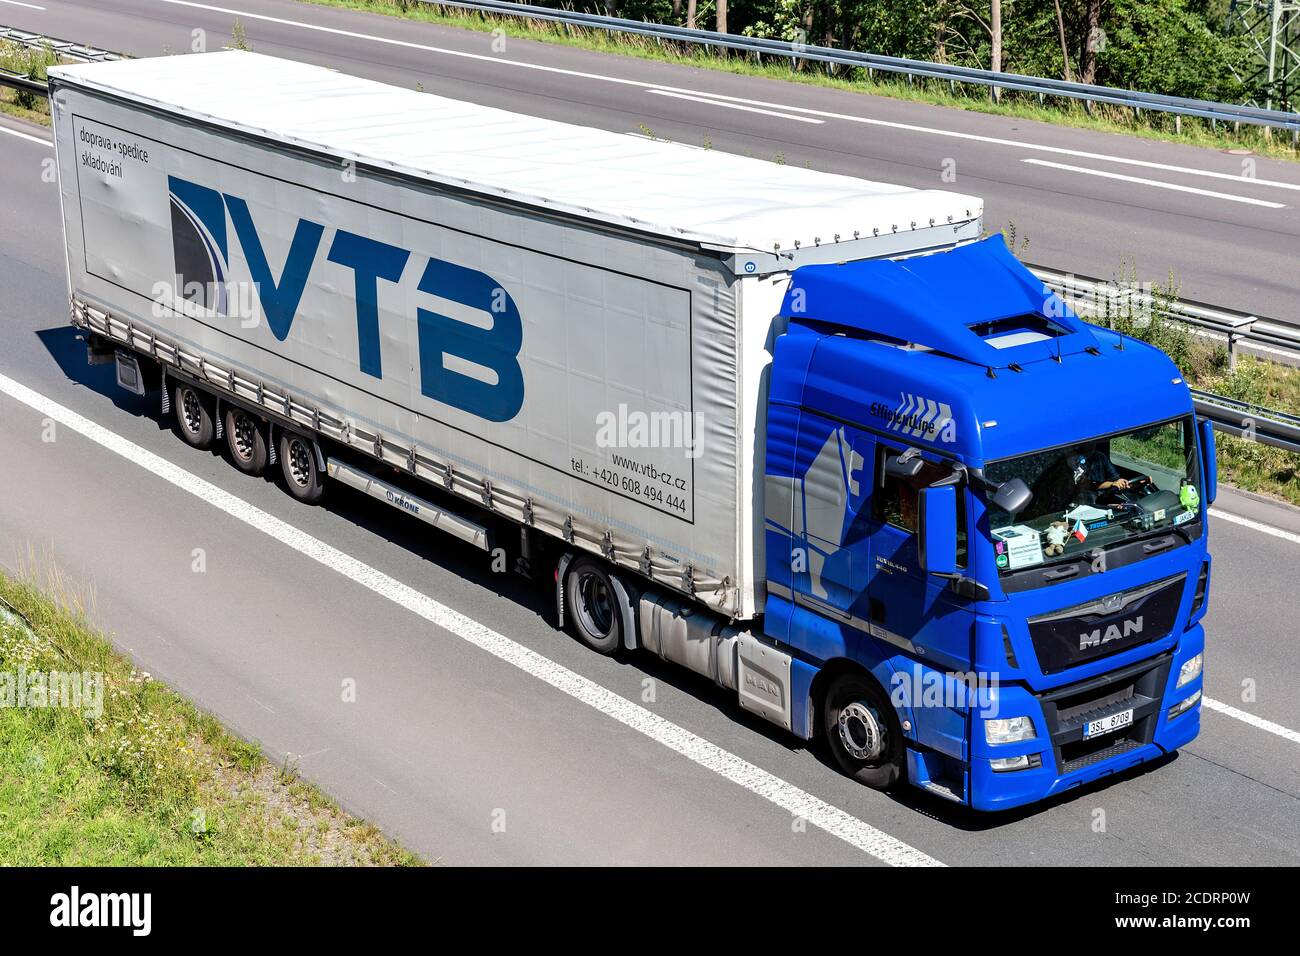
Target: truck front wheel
<point>863,732</point>
<point>593,606</point>
<point>298,461</point>
<point>194,418</point>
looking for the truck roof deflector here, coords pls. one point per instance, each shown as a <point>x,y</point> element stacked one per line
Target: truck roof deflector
<point>976,303</point>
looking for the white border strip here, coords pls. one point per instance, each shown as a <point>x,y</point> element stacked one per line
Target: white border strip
<point>1256,526</point>
<point>1156,183</point>
<point>797,802</point>
<point>22,135</point>
<point>1260,723</point>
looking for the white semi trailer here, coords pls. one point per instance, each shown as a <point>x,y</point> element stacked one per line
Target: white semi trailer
<point>567,326</point>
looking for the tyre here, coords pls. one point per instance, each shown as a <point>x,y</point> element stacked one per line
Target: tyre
<point>246,439</point>
<point>593,606</point>
<point>194,416</point>
<point>863,732</point>
<point>298,462</point>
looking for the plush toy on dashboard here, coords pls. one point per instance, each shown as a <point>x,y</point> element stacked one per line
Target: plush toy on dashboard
<point>1056,535</point>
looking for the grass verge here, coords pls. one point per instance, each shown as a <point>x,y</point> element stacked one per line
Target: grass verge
<point>1188,130</point>
<point>135,774</point>
<point>31,62</point>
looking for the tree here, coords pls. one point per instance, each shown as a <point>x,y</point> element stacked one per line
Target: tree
<point>1092,42</point>
<point>722,16</point>
<point>995,36</point>
<point>1065,47</point>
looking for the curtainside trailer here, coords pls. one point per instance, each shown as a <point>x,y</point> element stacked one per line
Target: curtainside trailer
<point>810,436</point>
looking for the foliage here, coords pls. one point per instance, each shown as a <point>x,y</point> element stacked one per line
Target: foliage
<point>30,62</point>
<point>1174,47</point>
<point>133,774</point>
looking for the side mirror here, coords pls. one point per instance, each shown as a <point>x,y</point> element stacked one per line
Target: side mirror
<point>1210,460</point>
<point>936,532</point>
<point>905,465</point>
<point>1012,496</point>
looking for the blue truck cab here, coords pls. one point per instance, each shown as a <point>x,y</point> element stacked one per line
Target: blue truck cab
<point>985,530</point>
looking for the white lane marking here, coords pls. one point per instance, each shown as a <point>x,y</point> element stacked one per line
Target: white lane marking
<point>1228,709</point>
<point>1256,526</point>
<point>756,780</point>
<point>1259,722</point>
<point>19,3</point>
<point>735,106</point>
<point>21,135</point>
<point>1154,182</point>
<point>1010,143</point>
<point>825,114</point>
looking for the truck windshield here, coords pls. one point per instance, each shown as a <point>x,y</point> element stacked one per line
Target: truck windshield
<point>1097,493</point>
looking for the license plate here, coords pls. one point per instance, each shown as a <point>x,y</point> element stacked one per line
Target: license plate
<point>1095,728</point>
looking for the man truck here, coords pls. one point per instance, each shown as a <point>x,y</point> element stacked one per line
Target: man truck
<point>812,437</point>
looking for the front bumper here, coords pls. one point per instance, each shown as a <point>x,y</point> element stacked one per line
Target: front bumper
<point>1067,760</point>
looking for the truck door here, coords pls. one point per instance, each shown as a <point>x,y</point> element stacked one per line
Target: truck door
<point>907,606</point>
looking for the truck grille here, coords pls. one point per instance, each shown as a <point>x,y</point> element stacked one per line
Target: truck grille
<point>1068,709</point>
<point>1105,626</point>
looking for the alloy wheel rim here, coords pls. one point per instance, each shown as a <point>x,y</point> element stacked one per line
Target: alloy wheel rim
<point>861,731</point>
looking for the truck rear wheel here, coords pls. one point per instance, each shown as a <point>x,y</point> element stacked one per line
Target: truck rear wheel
<point>593,606</point>
<point>298,462</point>
<point>246,439</point>
<point>863,732</point>
<point>194,416</point>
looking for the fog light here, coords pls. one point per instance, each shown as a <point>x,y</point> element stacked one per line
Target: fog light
<point>1023,762</point>
<point>1190,670</point>
<point>1008,730</point>
<point>1184,705</point>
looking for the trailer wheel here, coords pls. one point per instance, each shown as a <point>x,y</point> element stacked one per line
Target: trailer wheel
<point>863,732</point>
<point>246,439</point>
<point>194,416</point>
<point>298,462</point>
<point>593,606</point>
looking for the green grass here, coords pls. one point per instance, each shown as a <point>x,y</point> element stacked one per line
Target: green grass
<point>1152,125</point>
<point>16,58</point>
<point>151,780</point>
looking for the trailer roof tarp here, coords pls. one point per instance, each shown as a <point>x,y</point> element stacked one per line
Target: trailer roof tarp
<point>671,190</point>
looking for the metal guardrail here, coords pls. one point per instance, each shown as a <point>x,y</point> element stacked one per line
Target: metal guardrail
<point>1248,421</point>
<point>1090,297</point>
<point>1043,87</point>
<point>19,81</point>
<point>65,49</point>
<point>1083,292</point>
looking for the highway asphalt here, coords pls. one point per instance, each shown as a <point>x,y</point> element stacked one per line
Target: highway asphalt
<point>492,738</point>
<point>1227,226</point>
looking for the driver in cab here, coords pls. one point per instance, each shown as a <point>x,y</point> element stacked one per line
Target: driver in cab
<point>1078,477</point>
<point>1095,465</point>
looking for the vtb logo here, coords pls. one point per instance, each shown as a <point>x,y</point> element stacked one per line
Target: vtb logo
<point>201,248</point>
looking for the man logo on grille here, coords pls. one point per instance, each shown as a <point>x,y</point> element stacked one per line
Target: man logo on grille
<point>1097,637</point>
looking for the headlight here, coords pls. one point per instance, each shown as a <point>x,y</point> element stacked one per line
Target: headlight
<point>1184,705</point>
<point>1008,730</point>
<point>1024,762</point>
<point>1190,670</point>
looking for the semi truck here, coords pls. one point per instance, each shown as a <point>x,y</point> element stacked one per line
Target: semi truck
<point>818,439</point>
